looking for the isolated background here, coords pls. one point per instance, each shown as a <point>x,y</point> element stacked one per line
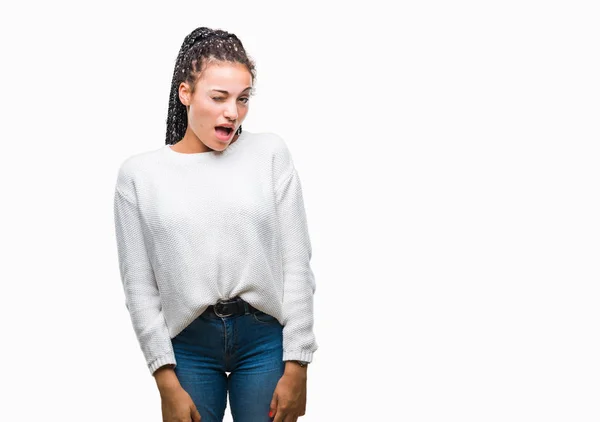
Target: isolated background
<point>448,153</point>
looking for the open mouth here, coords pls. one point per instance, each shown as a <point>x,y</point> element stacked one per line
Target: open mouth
<point>224,131</point>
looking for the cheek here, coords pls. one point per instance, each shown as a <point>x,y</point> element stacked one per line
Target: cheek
<point>204,115</point>
<point>242,111</point>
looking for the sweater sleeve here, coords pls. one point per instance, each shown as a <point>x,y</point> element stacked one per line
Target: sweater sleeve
<point>299,283</point>
<point>142,298</point>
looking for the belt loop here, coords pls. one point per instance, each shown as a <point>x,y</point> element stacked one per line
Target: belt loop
<point>246,310</point>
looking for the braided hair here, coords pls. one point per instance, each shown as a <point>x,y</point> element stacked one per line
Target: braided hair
<point>200,47</point>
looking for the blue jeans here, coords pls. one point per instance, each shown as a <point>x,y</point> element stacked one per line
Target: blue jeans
<point>249,347</point>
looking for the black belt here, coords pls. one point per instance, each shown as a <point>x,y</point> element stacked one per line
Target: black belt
<point>234,306</point>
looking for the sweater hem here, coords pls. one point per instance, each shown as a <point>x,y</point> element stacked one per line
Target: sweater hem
<point>161,361</point>
<point>303,355</point>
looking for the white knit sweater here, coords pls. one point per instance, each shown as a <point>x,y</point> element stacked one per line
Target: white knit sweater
<point>195,228</point>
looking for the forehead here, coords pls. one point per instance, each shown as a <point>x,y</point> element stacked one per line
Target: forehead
<point>222,74</point>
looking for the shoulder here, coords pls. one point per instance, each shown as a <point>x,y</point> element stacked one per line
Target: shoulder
<point>269,141</point>
<point>133,167</point>
<point>280,158</point>
<point>274,145</point>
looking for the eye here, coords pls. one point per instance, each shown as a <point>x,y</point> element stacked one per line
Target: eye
<point>246,99</point>
<point>218,98</point>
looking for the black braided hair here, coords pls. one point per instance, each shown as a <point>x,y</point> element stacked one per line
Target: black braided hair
<point>200,47</point>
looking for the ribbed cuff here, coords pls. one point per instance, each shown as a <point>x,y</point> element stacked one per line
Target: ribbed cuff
<point>303,355</point>
<point>163,360</point>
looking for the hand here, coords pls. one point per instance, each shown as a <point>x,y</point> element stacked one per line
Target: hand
<point>178,406</point>
<point>289,397</point>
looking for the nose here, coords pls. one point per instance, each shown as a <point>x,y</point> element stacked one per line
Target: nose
<point>231,111</point>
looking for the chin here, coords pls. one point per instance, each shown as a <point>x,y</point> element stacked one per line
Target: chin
<point>219,146</point>
<point>218,143</point>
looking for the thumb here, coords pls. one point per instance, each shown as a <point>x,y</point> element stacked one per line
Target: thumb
<point>273,406</point>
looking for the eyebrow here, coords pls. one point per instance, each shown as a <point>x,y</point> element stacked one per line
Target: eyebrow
<point>225,92</point>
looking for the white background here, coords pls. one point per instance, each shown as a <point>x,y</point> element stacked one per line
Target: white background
<point>449,156</point>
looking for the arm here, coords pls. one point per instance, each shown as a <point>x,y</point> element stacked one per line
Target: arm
<point>166,379</point>
<point>141,291</point>
<point>299,341</point>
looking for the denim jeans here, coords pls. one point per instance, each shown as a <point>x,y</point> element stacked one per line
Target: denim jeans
<point>239,354</point>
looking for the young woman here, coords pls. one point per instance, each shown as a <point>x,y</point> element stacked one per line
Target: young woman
<point>214,251</point>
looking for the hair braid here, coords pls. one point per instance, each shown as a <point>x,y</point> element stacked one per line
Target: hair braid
<point>200,47</point>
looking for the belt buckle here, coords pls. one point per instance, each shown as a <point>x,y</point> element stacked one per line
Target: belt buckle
<point>216,307</point>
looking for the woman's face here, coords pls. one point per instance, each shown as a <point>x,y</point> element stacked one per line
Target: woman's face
<point>221,98</point>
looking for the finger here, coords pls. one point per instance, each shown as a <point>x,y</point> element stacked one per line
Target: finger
<point>273,406</point>
<point>280,416</point>
<point>196,416</point>
<point>290,418</point>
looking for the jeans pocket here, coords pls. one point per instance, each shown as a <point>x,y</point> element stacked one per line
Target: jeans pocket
<point>263,317</point>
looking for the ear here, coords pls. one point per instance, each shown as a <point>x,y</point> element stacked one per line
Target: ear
<point>184,94</point>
